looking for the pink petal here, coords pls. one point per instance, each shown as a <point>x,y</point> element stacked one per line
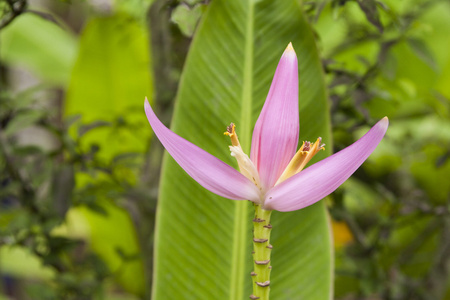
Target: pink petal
<point>209,171</point>
<point>275,136</point>
<point>322,178</point>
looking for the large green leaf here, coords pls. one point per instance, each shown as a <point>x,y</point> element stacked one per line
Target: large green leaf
<point>203,242</point>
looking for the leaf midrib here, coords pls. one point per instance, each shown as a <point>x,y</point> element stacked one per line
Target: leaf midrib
<point>238,278</point>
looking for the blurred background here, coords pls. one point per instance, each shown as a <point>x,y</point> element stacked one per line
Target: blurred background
<point>79,167</point>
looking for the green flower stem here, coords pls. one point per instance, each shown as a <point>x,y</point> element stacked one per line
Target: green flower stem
<point>261,254</point>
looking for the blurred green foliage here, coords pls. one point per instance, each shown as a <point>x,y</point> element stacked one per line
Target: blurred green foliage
<point>72,148</point>
<point>78,192</point>
<point>391,58</point>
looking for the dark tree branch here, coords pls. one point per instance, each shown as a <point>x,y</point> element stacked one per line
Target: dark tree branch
<point>16,8</point>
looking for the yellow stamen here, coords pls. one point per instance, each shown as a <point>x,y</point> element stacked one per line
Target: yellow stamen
<point>301,158</point>
<point>232,134</point>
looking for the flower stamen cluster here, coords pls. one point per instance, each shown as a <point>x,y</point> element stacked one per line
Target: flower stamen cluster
<point>246,166</point>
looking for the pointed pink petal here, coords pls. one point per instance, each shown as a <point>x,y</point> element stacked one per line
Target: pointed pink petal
<point>275,137</point>
<point>322,178</point>
<point>209,171</point>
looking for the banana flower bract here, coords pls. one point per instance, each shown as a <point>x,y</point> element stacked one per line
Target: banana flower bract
<point>273,176</point>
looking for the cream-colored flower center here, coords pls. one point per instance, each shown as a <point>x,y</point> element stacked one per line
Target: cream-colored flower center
<point>246,166</point>
<point>248,169</point>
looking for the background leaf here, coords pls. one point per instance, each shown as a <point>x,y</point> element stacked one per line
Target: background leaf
<point>110,79</point>
<point>226,79</point>
<point>113,238</point>
<point>109,82</point>
<point>53,64</point>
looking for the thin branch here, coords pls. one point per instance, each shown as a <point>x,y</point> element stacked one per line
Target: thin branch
<point>27,190</point>
<point>16,9</point>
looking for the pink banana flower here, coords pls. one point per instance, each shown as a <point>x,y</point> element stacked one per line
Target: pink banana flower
<point>273,176</point>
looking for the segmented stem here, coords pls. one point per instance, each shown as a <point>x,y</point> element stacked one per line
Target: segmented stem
<point>261,254</point>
